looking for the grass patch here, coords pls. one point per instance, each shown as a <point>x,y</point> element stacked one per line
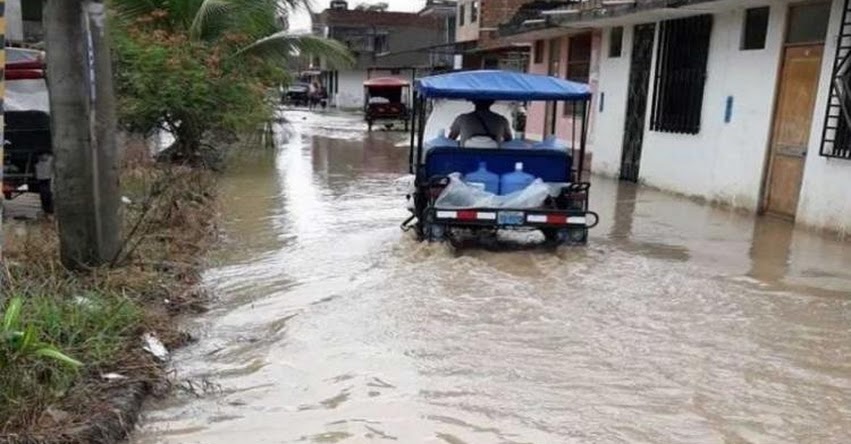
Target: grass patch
<point>91,327</point>
<point>98,317</point>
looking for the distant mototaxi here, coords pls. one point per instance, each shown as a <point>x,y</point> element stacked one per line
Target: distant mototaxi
<point>386,101</point>
<point>481,188</point>
<point>27,114</point>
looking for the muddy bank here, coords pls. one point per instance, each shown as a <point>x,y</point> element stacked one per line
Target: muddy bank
<point>113,423</point>
<point>99,316</point>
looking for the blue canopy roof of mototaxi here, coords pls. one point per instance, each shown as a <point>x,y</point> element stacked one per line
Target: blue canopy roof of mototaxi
<point>501,85</point>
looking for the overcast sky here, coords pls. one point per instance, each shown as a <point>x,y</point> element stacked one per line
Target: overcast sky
<point>301,20</point>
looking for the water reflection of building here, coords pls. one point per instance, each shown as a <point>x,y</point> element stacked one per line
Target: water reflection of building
<point>251,194</point>
<point>769,251</point>
<point>785,257</point>
<point>772,251</point>
<point>344,158</point>
<point>624,213</point>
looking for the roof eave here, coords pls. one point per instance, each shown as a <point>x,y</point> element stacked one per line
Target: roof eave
<point>586,17</point>
<point>537,32</point>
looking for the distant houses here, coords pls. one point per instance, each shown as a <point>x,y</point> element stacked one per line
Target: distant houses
<point>444,35</point>
<point>744,104</point>
<point>385,44</point>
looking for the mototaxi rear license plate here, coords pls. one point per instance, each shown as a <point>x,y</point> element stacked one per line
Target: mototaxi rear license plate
<point>510,217</point>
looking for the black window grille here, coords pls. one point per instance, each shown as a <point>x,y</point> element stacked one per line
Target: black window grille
<point>756,28</point>
<point>836,136</point>
<point>616,42</point>
<point>379,44</point>
<point>683,51</point>
<point>31,11</point>
<point>539,51</point>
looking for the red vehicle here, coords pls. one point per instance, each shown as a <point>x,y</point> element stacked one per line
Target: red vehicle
<point>386,100</point>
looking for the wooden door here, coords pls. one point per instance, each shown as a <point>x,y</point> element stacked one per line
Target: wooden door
<point>636,104</point>
<point>793,118</point>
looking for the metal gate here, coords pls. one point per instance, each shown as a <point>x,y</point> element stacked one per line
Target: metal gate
<point>636,104</point>
<point>836,136</point>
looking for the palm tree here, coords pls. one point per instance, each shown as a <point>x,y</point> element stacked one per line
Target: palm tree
<point>247,36</point>
<point>258,20</point>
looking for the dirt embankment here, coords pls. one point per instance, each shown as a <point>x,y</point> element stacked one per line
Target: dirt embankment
<point>99,317</point>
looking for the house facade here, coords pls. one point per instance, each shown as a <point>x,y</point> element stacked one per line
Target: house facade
<point>445,12</point>
<point>371,35</point>
<point>740,103</point>
<point>479,43</point>
<point>14,21</point>
<point>23,21</point>
<point>572,54</point>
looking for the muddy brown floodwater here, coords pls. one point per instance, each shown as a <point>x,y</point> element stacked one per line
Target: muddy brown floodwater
<point>679,323</point>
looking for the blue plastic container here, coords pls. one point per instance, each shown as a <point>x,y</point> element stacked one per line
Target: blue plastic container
<point>441,141</point>
<point>483,177</point>
<point>551,143</point>
<point>515,181</point>
<point>514,144</point>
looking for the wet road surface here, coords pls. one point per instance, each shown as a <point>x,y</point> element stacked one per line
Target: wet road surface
<point>679,323</point>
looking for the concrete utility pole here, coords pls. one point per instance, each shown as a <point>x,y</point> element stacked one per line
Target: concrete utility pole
<point>2,108</point>
<point>82,108</point>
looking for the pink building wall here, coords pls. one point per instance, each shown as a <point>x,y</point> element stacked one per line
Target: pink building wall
<point>564,124</point>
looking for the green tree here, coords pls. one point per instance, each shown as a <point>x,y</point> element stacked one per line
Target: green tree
<point>194,67</point>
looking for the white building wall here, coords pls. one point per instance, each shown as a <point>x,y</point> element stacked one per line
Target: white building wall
<point>725,162</point>
<point>350,93</point>
<point>14,21</point>
<point>825,202</point>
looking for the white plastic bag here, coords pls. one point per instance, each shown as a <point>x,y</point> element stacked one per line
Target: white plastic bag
<point>405,184</point>
<point>459,195</point>
<point>532,196</point>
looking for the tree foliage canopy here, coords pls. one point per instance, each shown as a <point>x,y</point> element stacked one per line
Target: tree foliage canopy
<point>196,66</point>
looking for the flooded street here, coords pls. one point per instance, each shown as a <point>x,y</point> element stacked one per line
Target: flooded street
<point>679,323</point>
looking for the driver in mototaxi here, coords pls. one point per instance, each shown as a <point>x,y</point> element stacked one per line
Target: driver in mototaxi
<point>481,122</point>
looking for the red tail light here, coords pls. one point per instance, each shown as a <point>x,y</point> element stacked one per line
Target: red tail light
<point>23,74</point>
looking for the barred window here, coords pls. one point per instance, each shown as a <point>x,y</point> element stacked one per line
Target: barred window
<point>539,51</point>
<point>836,136</point>
<point>683,50</point>
<point>756,28</point>
<point>616,42</point>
